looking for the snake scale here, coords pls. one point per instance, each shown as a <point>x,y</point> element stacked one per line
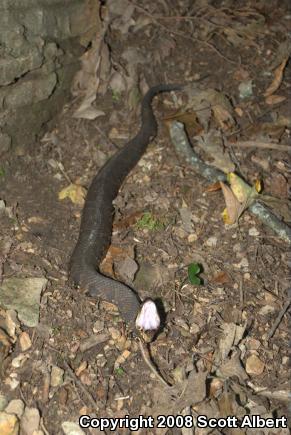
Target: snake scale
<point>96,223</point>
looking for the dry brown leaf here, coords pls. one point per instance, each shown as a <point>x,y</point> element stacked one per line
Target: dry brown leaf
<point>128,221</point>
<point>223,117</point>
<point>238,110</point>
<point>86,82</point>
<point>221,278</point>
<point>213,187</point>
<point>187,393</point>
<point>277,79</point>
<point>232,367</point>
<point>122,358</point>
<point>75,192</point>
<point>212,143</point>
<point>274,99</point>
<point>233,207</point>
<point>114,254</point>
<point>189,119</point>
<point>279,185</point>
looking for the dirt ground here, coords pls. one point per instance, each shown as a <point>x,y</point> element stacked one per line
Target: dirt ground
<point>167,217</point>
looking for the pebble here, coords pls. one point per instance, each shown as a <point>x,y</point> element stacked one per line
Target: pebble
<point>9,424</point>
<point>71,428</point>
<point>212,241</point>
<point>243,264</point>
<point>98,326</point>
<point>57,376</point>
<point>16,407</point>
<point>19,360</point>
<point>285,360</point>
<point>254,366</point>
<point>12,383</point>
<point>29,421</point>
<point>3,401</point>
<point>254,232</point>
<point>192,238</point>
<point>24,341</point>
<point>266,309</point>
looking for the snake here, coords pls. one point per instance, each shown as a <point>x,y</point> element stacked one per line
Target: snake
<point>98,212</point>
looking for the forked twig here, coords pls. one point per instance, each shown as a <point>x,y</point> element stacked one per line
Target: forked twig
<point>147,359</point>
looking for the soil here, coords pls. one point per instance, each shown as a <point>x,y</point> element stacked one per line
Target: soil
<point>245,267</point>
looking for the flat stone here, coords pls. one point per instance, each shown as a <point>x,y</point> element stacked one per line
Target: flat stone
<point>16,407</point>
<point>71,428</point>
<point>30,421</point>
<point>23,296</point>
<point>3,401</point>
<point>57,376</point>
<point>30,91</point>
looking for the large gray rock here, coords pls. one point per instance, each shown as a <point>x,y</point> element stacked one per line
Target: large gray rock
<point>40,43</point>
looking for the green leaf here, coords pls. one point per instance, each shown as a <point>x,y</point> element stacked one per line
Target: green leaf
<point>148,221</point>
<point>195,280</point>
<point>193,270</point>
<point>119,371</point>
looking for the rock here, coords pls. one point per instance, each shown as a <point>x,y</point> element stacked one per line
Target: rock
<point>5,346</point>
<point>3,401</point>
<point>9,424</point>
<point>16,407</point>
<point>266,309</point>
<point>71,428</point>
<point>212,242</point>
<point>23,295</point>
<point>19,360</point>
<point>11,324</point>
<point>5,143</point>
<point>12,381</point>
<point>245,89</point>
<point>98,326</point>
<point>254,232</point>
<point>29,421</point>
<point>57,376</point>
<point>186,216</point>
<point>92,341</point>
<point>254,366</point>
<point>150,276</point>
<point>24,341</point>
<point>117,83</point>
<point>126,268</point>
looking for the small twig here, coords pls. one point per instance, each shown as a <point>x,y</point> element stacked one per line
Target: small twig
<point>81,386</point>
<point>147,359</point>
<point>263,145</point>
<point>106,138</point>
<point>61,168</point>
<point>279,318</point>
<point>43,428</point>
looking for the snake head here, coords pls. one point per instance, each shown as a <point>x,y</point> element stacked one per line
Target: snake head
<point>148,320</point>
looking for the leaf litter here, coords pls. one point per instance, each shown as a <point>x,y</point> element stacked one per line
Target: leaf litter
<point>210,352</point>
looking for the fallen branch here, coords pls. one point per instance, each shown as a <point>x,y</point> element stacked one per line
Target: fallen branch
<point>183,148</point>
<point>262,145</point>
<point>147,359</point>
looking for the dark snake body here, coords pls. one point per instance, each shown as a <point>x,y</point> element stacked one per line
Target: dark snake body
<point>96,224</point>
